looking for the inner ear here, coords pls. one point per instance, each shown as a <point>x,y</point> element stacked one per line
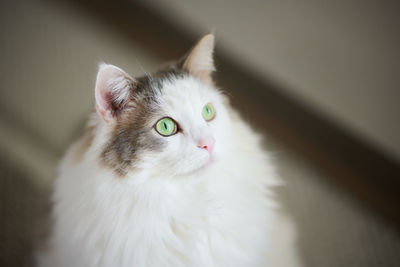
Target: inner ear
<point>199,62</point>
<point>113,89</point>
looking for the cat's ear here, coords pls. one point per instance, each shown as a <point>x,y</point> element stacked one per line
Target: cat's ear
<point>199,62</point>
<point>113,88</point>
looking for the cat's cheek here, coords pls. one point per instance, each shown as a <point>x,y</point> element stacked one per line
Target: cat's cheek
<point>223,136</point>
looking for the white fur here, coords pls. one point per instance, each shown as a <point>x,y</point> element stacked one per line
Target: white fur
<point>172,210</point>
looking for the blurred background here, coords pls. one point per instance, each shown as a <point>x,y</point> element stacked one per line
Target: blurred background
<point>320,79</point>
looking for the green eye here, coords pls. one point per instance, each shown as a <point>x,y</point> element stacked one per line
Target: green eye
<point>166,126</point>
<point>208,112</point>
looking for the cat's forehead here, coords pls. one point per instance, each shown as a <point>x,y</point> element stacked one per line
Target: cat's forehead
<point>186,91</point>
<point>173,86</point>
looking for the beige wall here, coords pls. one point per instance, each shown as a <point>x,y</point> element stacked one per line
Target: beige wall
<point>340,57</point>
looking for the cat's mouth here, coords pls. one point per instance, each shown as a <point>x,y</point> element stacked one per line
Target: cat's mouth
<point>195,165</point>
<point>204,166</point>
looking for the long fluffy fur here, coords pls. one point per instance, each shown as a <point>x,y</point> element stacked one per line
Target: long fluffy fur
<point>223,214</point>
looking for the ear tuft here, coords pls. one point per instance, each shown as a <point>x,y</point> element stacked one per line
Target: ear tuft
<point>113,87</point>
<point>199,62</point>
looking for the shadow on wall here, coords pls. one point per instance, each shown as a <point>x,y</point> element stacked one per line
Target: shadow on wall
<point>22,208</point>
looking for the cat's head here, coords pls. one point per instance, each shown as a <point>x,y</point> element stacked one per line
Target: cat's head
<point>173,122</point>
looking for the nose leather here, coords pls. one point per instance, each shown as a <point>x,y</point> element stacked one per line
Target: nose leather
<point>207,144</point>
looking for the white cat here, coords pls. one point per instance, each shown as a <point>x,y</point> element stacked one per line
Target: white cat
<point>167,174</point>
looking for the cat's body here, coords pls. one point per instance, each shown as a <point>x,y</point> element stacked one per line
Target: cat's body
<point>201,196</point>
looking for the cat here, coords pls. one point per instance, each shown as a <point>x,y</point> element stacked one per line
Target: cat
<point>167,174</point>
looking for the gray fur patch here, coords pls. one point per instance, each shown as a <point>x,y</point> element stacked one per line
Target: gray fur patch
<point>132,132</point>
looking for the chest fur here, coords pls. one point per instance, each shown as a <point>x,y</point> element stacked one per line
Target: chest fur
<point>180,224</point>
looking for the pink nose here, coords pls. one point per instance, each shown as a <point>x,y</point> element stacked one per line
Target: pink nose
<point>207,144</point>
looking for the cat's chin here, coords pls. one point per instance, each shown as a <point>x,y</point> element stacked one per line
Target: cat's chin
<point>205,165</point>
